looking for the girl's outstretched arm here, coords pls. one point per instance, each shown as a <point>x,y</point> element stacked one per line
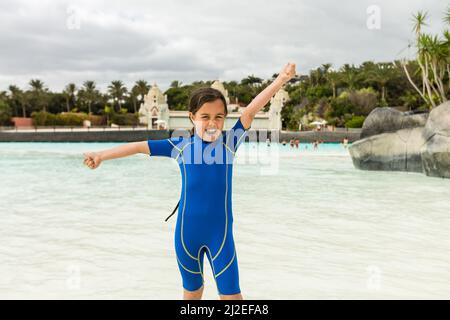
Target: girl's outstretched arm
<point>93,159</point>
<point>287,73</point>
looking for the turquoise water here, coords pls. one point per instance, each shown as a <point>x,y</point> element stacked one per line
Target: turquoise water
<point>306,224</point>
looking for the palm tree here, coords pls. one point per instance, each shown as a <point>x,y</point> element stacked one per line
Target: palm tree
<point>381,74</point>
<point>333,77</point>
<point>326,67</point>
<point>436,56</point>
<point>89,94</point>
<point>39,93</point>
<point>69,93</point>
<point>447,16</point>
<point>349,76</point>
<point>134,94</point>
<point>175,84</point>
<point>251,80</point>
<point>315,76</point>
<point>141,88</point>
<point>318,75</point>
<point>433,58</point>
<point>18,98</point>
<point>5,109</point>
<point>447,44</point>
<point>419,21</point>
<point>117,91</point>
<point>138,92</point>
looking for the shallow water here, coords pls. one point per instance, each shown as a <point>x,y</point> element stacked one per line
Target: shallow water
<point>306,224</point>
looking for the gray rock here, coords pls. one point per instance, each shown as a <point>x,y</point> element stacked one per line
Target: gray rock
<point>383,120</point>
<point>436,152</point>
<point>392,140</point>
<point>438,121</point>
<point>392,151</point>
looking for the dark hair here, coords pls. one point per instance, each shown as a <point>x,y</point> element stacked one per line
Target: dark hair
<point>203,95</point>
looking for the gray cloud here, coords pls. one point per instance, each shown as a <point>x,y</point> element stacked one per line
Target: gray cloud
<point>194,40</point>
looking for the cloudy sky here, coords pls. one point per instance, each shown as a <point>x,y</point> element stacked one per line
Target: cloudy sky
<point>187,40</point>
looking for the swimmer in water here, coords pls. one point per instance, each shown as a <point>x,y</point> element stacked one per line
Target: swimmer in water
<point>345,142</point>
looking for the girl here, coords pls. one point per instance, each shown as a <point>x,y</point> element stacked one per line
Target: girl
<point>205,219</point>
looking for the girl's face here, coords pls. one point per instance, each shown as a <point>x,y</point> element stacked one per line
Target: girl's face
<point>209,120</point>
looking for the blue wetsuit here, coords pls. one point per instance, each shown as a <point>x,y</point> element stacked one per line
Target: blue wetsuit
<point>205,218</point>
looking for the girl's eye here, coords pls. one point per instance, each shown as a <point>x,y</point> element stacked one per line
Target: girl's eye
<point>206,118</point>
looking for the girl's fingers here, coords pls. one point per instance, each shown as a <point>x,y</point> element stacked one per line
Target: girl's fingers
<point>89,162</point>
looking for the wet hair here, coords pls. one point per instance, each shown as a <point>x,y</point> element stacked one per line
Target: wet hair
<point>203,95</point>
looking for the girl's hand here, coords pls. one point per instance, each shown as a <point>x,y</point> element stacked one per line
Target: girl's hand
<point>287,73</point>
<point>92,159</point>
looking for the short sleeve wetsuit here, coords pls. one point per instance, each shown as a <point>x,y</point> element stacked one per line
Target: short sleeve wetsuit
<point>205,218</point>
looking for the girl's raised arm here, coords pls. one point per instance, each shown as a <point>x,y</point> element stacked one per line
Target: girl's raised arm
<point>93,159</point>
<point>287,73</point>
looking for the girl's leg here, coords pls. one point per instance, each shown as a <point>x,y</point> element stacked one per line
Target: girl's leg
<point>191,268</point>
<point>231,297</point>
<point>226,270</point>
<point>193,295</point>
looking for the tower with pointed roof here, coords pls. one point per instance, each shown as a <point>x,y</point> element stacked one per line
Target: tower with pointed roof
<point>154,111</point>
<point>277,103</point>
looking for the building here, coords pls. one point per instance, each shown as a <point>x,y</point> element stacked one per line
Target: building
<point>154,111</point>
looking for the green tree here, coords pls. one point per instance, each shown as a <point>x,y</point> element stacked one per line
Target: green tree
<point>89,94</point>
<point>5,113</point>
<point>138,92</point>
<point>38,94</point>
<point>251,80</point>
<point>117,91</point>
<point>17,97</point>
<point>433,58</point>
<point>333,79</point>
<point>69,93</point>
<point>175,84</point>
<point>349,76</point>
<point>178,97</point>
<point>381,74</point>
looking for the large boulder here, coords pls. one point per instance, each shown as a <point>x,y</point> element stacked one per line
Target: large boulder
<point>391,151</point>
<point>383,120</point>
<point>435,152</point>
<point>392,140</point>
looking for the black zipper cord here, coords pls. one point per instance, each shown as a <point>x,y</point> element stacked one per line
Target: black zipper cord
<point>173,212</point>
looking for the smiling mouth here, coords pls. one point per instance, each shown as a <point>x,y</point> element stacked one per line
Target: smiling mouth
<point>211,131</point>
